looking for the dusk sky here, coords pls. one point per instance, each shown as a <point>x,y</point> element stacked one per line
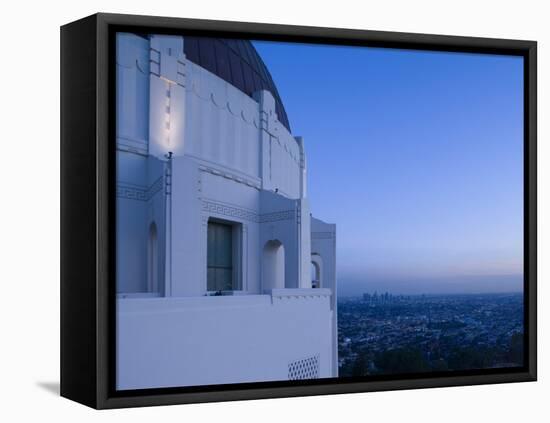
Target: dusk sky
<point>418,159</point>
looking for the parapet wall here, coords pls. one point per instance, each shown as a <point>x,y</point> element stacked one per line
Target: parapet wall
<point>165,342</point>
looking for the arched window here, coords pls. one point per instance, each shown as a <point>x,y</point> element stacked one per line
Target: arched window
<point>153,260</point>
<point>316,271</point>
<point>273,265</point>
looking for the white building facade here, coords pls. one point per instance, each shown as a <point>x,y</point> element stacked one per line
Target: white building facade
<point>223,275</point>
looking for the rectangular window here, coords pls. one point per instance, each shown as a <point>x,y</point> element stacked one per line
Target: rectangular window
<point>220,275</point>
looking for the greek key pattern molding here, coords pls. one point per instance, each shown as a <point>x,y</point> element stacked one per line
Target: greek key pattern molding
<point>131,192</point>
<point>244,214</point>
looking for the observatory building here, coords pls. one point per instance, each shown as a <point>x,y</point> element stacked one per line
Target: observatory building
<point>223,275</point>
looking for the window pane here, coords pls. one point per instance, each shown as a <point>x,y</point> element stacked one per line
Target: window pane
<point>224,258</point>
<point>223,279</point>
<point>211,279</point>
<point>211,249</point>
<point>220,257</point>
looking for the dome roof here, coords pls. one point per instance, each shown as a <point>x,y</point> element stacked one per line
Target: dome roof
<point>237,62</point>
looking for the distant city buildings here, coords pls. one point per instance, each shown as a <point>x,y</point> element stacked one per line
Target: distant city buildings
<point>381,333</point>
<point>385,297</point>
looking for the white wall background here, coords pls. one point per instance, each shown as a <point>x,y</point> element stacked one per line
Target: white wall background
<point>29,166</point>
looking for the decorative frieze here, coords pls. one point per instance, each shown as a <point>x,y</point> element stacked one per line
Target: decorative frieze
<point>232,211</point>
<point>229,211</point>
<point>131,193</point>
<point>276,216</point>
<point>300,293</point>
<point>134,192</point>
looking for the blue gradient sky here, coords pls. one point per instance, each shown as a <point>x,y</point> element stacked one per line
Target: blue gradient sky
<point>417,157</point>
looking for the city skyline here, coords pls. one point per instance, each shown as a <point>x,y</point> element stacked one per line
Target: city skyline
<point>425,151</point>
<point>385,334</point>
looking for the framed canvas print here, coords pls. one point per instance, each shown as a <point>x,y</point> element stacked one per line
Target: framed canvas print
<point>255,211</point>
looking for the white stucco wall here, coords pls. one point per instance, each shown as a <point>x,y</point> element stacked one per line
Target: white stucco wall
<point>222,125</point>
<point>167,95</point>
<point>132,72</point>
<point>323,243</point>
<point>190,148</point>
<point>140,177</point>
<point>229,154</point>
<point>214,340</point>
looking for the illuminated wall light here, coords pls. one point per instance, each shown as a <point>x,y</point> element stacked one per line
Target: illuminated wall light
<point>167,115</point>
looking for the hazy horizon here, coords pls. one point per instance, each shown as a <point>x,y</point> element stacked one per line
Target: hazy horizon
<point>474,284</point>
<point>417,156</point>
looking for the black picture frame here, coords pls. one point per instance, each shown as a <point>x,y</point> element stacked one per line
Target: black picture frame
<point>87,209</point>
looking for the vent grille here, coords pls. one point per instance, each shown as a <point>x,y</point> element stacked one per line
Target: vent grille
<point>308,368</point>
